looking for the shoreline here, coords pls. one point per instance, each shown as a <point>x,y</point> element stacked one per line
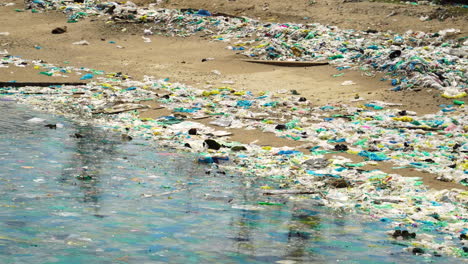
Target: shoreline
<point>347,141</point>
<point>282,163</point>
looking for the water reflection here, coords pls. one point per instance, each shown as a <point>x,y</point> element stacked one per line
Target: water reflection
<point>193,213</point>
<point>245,240</point>
<point>302,230</point>
<point>91,149</point>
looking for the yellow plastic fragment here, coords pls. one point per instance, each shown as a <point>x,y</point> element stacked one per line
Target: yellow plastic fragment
<point>106,85</point>
<point>464,166</point>
<point>404,119</point>
<point>460,95</point>
<point>261,46</point>
<point>225,88</point>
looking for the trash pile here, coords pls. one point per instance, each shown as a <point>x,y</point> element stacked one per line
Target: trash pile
<point>412,59</point>
<point>346,144</point>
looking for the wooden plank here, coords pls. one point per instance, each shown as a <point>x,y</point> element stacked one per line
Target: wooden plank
<point>158,108</point>
<point>288,63</point>
<point>38,84</point>
<point>120,110</point>
<point>288,191</point>
<point>415,128</point>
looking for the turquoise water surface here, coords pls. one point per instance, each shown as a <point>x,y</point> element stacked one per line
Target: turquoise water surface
<point>79,194</point>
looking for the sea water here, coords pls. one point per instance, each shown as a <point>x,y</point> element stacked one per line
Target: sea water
<point>79,194</point>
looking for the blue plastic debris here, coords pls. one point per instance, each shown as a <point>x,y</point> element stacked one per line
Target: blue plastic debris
<point>87,76</point>
<point>203,12</point>
<point>373,155</point>
<point>244,103</point>
<point>322,174</point>
<point>288,152</point>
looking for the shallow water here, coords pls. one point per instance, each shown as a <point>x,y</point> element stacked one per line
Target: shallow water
<point>137,203</point>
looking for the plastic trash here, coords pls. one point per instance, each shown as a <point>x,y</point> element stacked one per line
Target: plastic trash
<point>397,138</point>
<point>35,120</point>
<point>346,83</point>
<point>203,12</point>
<point>81,42</point>
<point>316,163</point>
<point>87,76</point>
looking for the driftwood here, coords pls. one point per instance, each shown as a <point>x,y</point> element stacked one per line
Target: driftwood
<point>254,118</point>
<point>414,128</point>
<point>288,63</point>
<point>120,108</point>
<point>39,93</point>
<point>118,111</point>
<point>289,191</point>
<point>39,84</point>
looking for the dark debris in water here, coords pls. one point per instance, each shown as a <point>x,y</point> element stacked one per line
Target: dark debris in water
<point>298,234</point>
<point>100,216</point>
<point>15,223</point>
<point>405,234</point>
<point>418,251</point>
<point>239,239</point>
<point>51,126</point>
<point>77,135</point>
<point>84,177</point>
<point>126,137</point>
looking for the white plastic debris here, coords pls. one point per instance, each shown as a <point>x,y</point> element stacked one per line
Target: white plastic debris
<point>147,32</point>
<point>346,83</point>
<point>81,42</point>
<point>35,120</point>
